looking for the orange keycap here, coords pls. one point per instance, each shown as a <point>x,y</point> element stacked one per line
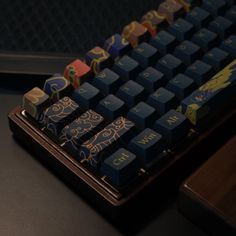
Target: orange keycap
<point>186,4</point>
<point>135,33</point>
<point>153,21</point>
<point>171,9</point>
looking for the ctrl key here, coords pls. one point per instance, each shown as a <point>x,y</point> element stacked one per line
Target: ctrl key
<point>121,167</point>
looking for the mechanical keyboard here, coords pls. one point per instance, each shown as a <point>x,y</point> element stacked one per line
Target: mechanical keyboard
<point>146,99</point>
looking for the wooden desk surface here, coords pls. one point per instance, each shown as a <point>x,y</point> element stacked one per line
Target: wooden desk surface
<point>208,197</point>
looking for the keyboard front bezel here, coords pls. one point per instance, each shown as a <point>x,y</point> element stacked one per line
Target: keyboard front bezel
<point>41,144</point>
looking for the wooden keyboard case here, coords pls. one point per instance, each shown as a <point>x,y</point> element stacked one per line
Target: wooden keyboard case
<point>172,169</point>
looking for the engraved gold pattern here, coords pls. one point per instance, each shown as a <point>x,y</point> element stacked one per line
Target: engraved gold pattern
<point>58,111</point>
<point>61,109</point>
<point>84,124</point>
<point>104,138</point>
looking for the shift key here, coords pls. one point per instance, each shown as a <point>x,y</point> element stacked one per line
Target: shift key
<point>101,145</point>
<point>211,97</point>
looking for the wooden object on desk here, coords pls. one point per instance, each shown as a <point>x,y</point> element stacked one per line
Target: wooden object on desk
<point>208,197</point>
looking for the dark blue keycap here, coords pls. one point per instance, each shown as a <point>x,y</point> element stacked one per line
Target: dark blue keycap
<point>86,96</point>
<point>205,39</point>
<point>198,17</point>
<point>117,46</point>
<point>169,65</point>
<point>173,126</point>
<point>107,81</point>
<point>143,115</point>
<point>181,29</point>
<point>181,85</point>
<point>151,79</point>
<point>111,107</point>
<point>200,72</point>
<point>127,68</point>
<point>221,26</point>
<point>145,54</point>
<point>131,93</point>
<point>57,87</point>
<point>217,58</point>
<point>163,100</point>
<point>121,167</point>
<point>80,130</point>
<point>188,52</point>
<point>229,45</point>
<point>60,114</point>
<point>164,42</point>
<point>214,7</point>
<point>231,14</point>
<point>147,146</point>
<point>105,142</point>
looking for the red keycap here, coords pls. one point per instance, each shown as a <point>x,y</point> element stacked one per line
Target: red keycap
<point>77,72</point>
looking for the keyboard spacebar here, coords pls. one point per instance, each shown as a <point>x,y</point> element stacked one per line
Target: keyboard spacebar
<point>204,102</point>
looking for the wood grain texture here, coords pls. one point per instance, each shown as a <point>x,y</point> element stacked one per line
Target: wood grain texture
<point>208,197</point>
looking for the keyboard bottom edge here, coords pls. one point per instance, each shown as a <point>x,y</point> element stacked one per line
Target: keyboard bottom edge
<point>79,181</point>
